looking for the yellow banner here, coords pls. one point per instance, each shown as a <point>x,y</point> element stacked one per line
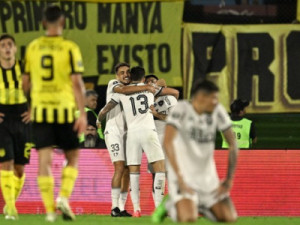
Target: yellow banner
<point>143,33</point>
<point>255,62</point>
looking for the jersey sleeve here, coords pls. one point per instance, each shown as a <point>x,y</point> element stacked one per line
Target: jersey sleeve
<point>176,115</point>
<point>76,59</point>
<point>223,120</point>
<point>112,84</point>
<point>116,97</point>
<point>158,91</point>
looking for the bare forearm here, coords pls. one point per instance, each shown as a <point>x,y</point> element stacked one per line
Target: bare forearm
<point>232,161</point>
<point>170,91</point>
<point>79,91</point>
<point>109,106</point>
<point>170,153</point>
<point>127,90</point>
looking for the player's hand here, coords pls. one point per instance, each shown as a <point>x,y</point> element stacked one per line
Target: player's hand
<point>98,123</point>
<point>1,117</point>
<point>224,187</point>
<point>153,110</point>
<point>161,83</point>
<point>80,124</point>
<point>151,88</point>
<point>26,117</point>
<point>184,188</point>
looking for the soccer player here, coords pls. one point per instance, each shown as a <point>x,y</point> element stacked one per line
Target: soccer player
<point>141,136</point>
<point>243,128</point>
<point>189,144</point>
<point>160,110</point>
<point>15,143</point>
<point>53,68</point>
<point>114,138</point>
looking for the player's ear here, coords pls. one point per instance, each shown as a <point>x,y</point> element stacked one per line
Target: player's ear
<point>62,21</point>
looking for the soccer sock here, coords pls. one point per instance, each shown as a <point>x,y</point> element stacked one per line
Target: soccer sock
<point>46,186</point>
<point>135,190</point>
<point>8,188</point>
<point>115,196</point>
<point>69,176</point>
<point>19,183</point>
<point>122,200</point>
<point>159,187</point>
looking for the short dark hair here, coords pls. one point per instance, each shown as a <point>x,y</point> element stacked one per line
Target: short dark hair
<point>151,75</point>
<point>91,92</point>
<point>137,73</point>
<point>120,65</point>
<point>7,36</point>
<point>52,13</point>
<point>204,85</point>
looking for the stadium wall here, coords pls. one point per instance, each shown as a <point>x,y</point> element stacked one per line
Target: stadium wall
<point>267,183</point>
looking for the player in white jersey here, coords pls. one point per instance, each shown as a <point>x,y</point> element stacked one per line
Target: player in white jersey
<point>141,136</point>
<point>189,145</point>
<point>114,135</point>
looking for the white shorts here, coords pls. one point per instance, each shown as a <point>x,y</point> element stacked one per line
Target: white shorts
<point>203,200</point>
<point>115,145</point>
<point>143,140</point>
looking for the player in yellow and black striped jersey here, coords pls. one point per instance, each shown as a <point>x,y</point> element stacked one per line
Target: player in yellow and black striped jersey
<point>53,67</point>
<point>15,143</point>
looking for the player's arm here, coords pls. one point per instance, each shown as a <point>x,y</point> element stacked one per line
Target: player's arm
<point>169,91</point>
<point>232,160</point>
<point>253,133</point>
<point>156,114</point>
<point>26,85</point>
<point>127,90</point>
<point>79,90</point>
<point>170,134</point>
<point>109,106</point>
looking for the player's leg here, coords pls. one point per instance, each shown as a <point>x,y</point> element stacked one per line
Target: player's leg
<point>19,178</point>
<point>124,192</point>
<point>134,159</point>
<point>7,174</point>
<point>116,182</point>
<point>186,211</point>
<point>135,189</point>
<point>68,141</point>
<point>115,148</point>
<point>224,211</point>
<point>155,156</point>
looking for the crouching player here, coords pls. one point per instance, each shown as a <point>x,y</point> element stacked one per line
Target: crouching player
<point>189,142</point>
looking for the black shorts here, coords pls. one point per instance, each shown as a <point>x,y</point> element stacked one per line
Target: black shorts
<point>52,134</point>
<point>15,136</point>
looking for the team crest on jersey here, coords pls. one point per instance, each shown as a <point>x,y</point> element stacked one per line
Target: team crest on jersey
<point>2,152</point>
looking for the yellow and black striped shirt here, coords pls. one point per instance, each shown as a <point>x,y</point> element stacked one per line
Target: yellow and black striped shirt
<point>50,62</point>
<point>11,92</point>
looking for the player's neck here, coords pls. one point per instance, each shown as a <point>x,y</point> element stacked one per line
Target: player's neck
<point>7,64</point>
<point>54,31</point>
<point>198,108</point>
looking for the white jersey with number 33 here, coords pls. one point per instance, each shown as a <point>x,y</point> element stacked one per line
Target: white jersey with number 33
<point>136,109</point>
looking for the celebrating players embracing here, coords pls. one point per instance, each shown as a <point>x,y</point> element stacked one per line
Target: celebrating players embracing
<point>53,68</point>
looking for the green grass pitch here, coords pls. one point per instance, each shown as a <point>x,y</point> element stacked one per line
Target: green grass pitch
<point>107,220</point>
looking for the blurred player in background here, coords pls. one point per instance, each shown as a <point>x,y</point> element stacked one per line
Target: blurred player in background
<point>114,138</point>
<point>189,143</point>
<point>243,128</point>
<point>53,68</point>
<point>15,144</point>
<point>141,136</point>
<point>160,110</point>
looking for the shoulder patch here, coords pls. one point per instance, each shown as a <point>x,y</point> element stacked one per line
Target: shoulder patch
<point>115,82</point>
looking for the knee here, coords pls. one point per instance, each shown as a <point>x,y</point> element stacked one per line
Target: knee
<point>231,218</point>
<point>19,170</point>
<point>184,218</point>
<point>119,169</point>
<point>8,165</point>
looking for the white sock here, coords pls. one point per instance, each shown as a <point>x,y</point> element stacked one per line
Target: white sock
<point>115,195</point>
<point>122,200</point>
<point>159,187</point>
<point>135,190</point>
